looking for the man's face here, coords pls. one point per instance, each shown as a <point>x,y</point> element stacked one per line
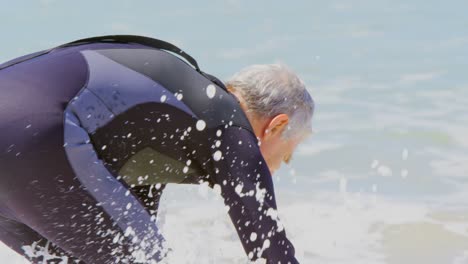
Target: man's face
<point>276,150</point>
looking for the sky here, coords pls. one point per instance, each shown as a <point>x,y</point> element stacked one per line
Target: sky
<point>376,39</point>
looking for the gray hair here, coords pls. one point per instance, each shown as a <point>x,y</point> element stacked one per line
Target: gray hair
<point>272,89</point>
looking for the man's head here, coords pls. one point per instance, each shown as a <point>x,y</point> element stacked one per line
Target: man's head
<point>277,105</point>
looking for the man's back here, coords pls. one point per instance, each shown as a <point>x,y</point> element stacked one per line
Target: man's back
<point>127,117</point>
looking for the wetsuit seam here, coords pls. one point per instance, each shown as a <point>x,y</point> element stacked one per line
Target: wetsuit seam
<point>102,101</point>
<point>85,86</point>
<point>149,77</point>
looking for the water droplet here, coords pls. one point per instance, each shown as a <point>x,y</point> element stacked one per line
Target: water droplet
<point>200,125</point>
<point>217,155</point>
<point>404,173</point>
<point>238,189</point>
<point>404,154</point>
<point>163,98</point>
<point>210,91</point>
<point>343,185</point>
<point>384,171</point>
<point>253,236</point>
<point>266,243</point>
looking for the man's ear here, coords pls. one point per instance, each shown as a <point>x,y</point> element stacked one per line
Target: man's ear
<point>276,126</point>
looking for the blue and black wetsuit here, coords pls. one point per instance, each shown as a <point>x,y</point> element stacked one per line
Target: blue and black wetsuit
<point>92,132</point>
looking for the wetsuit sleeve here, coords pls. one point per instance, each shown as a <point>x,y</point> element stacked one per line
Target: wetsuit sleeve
<point>247,188</point>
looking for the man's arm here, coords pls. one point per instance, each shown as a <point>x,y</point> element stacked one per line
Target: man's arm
<point>247,188</point>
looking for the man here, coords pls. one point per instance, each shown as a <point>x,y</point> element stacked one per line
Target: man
<point>93,130</point>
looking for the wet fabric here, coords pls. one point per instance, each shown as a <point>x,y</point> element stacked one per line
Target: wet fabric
<point>92,133</point>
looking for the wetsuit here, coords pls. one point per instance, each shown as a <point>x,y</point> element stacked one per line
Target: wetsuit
<point>92,132</point>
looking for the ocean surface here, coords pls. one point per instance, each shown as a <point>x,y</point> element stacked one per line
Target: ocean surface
<point>384,177</point>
